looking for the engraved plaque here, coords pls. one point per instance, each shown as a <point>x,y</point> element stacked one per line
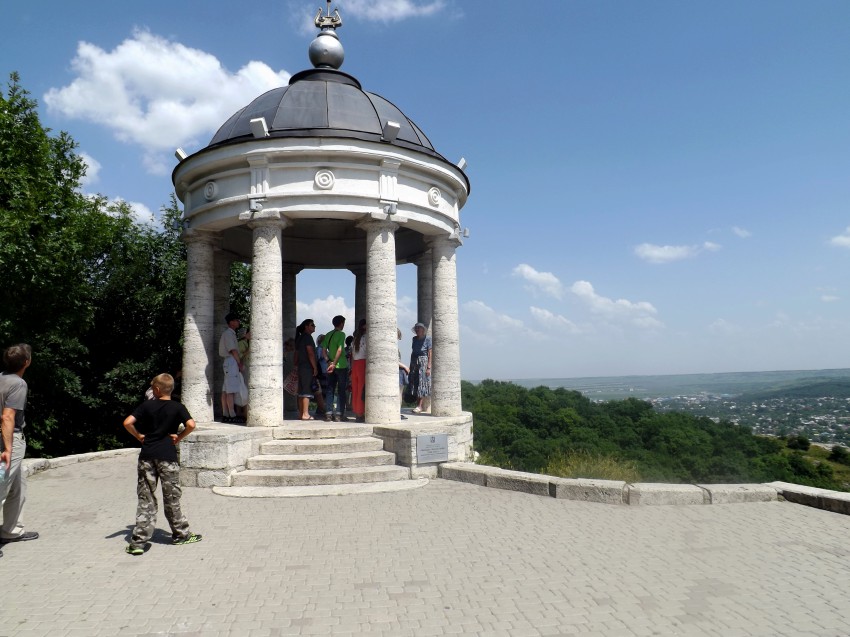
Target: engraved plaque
<point>432,448</point>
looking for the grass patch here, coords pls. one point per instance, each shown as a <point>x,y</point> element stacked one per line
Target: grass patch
<point>841,471</point>
<point>582,464</point>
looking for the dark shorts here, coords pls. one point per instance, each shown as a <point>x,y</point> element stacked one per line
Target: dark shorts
<point>305,382</point>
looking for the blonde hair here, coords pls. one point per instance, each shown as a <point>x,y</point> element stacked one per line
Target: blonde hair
<point>164,383</point>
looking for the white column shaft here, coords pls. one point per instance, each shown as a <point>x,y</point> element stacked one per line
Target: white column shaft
<point>265,390</point>
<point>381,342</point>
<point>199,353</point>
<point>425,289</point>
<point>445,376</point>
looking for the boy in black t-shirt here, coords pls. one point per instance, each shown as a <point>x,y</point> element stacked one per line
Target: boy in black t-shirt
<point>155,424</point>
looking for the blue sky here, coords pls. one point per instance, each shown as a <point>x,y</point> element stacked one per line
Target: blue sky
<point>657,187</point>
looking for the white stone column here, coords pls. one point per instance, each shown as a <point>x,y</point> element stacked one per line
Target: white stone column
<point>221,306</point>
<point>382,342</point>
<point>445,358</point>
<point>290,320</point>
<point>361,308</point>
<point>290,299</point>
<point>199,354</point>
<point>265,389</point>
<point>425,289</point>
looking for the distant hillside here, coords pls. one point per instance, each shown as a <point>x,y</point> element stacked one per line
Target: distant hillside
<point>837,388</point>
<point>730,383</point>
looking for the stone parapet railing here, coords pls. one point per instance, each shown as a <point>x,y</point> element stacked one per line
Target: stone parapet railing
<point>31,466</point>
<point>611,491</point>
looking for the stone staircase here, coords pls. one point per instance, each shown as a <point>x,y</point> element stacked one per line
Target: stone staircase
<point>318,458</point>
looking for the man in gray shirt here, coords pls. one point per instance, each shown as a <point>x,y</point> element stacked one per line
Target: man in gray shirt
<point>13,401</point>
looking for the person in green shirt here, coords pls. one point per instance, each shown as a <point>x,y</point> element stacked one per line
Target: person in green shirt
<point>334,343</point>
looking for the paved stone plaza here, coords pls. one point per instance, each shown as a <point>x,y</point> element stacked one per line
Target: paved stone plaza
<point>446,559</point>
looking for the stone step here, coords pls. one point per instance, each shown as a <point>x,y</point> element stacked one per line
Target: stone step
<point>322,445</point>
<point>321,489</point>
<point>321,460</point>
<point>307,477</point>
<point>317,429</point>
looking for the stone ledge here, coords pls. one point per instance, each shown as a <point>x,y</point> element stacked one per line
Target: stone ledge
<point>739,493</point>
<point>645,493</point>
<point>586,490</point>
<point>833,501</point>
<point>640,494</point>
<point>31,466</point>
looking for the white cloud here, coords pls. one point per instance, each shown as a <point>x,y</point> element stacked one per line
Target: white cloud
<point>141,214</point>
<point>92,170</point>
<point>382,11</point>
<point>323,310</point>
<point>722,326</point>
<point>842,240</point>
<point>642,314</point>
<point>158,94</point>
<point>829,298</point>
<point>387,11</point>
<point>554,321</point>
<point>667,254</point>
<point>741,232</point>
<point>544,282</point>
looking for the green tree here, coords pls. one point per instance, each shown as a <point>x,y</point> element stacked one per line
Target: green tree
<point>99,297</point>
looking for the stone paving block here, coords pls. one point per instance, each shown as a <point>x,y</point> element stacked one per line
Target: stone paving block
<point>585,490</point>
<point>644,493</point>
<point>738,493</point>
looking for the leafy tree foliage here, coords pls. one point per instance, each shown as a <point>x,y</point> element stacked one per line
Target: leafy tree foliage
<point>99,297</point>
<point>526,428</point>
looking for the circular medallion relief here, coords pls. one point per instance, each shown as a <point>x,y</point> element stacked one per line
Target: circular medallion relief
<point>324,179</point>
<point>434,196</point>
<point>210,190</point>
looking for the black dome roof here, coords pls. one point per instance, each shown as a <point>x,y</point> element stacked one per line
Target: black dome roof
<point>323,103</point>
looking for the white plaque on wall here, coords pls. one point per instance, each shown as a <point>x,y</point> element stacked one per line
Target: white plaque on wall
<point>432,448</point>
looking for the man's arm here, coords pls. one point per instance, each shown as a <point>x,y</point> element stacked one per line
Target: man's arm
<point>8,427</point>
<point>235,354</point>
<point>130,425</point>
<point>336,355</point>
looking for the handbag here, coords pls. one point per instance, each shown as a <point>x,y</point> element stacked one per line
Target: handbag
<point>409,395</point>
<point>241,397</point>
<point>290,383</point>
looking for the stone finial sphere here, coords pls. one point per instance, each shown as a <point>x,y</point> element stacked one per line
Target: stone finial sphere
<point>326,51</point>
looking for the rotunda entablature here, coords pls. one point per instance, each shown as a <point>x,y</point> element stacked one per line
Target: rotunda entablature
<point>307,179</point>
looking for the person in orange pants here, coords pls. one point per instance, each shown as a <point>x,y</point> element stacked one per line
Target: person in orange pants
<point>358,371</point>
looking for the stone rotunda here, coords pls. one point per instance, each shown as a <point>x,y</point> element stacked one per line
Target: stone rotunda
<point>322,174</point>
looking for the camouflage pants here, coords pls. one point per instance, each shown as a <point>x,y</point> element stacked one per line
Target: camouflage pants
<point>150,471</point>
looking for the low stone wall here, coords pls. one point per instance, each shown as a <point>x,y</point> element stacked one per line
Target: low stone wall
<point>401,440</point>
<point>214,451</point>
<point>31,466</point>
<point>609,491</point>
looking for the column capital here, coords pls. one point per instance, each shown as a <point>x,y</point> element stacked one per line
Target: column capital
<point>260,218</point>
<point>190,235</point>
<point>444,241</point>
<point>376,224</point>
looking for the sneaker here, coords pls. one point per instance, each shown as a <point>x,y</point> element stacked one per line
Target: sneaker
<point>190,539</point>
<point>337,417</point>
<point>23,537</point>
<point>329,417</point>
<point>134,550</point>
